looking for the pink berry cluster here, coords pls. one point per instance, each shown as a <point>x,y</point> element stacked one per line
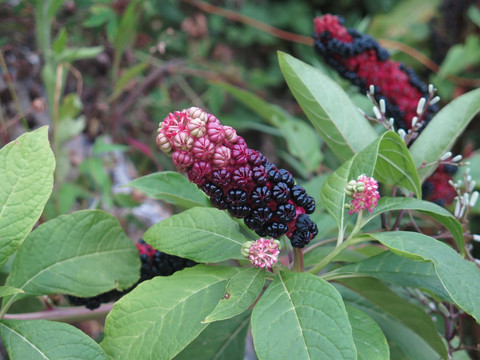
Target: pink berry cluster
<point>236,178</point>
<point>360,59</point>
<point>364,192</point>
<point>262,253</point>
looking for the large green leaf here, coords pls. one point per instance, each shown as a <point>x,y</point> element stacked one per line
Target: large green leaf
<point>435,211</point>
<point>171,187</point>
<point>301,139</point>
<point>387,158</point>
<point>26,178</point>
<point>401,321</point>
<point>301,316</point>
<point>200,234</point>
<point>456,274</point>
<point>83,254</point>
<point>242,290</point>
<point>328,107</point>
<point>220,340</point>
<point>442,132</point>
<point>398,270</point>
<point>42,340</point>
<point>162,316</point>
<point>367,335</point>
<point>8,290</point>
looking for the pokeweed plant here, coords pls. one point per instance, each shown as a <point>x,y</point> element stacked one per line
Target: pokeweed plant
<point>264,260</point>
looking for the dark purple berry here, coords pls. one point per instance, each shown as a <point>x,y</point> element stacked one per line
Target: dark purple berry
<point>259,175</point>
<point>281,193</point>
<point>276,229</point>
<point>221,177</point>
<point>285,212</point>
<point>212,190</point>
<point>254,157</point>
<point>286,177</point>
<point>274,175</point>
<point>242,175</point>
<point>260,216</point>
<point>236,197</point>
<point>309,204</point>
<point>219,202</point>
<point>240,211</point>
<point>261,195</point>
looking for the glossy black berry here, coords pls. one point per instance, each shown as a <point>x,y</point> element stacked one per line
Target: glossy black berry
<point>219,202</point>
<point>259,175</point>
<point>260,216</point>
<point>285,212</point>
<point>261,195</point>
<point>297,191</point>
<point>262,231</point>
<point>240,211</point>
<point>281,192</point>
<point>236,197</point>
<point>286,177</point>
<point>300,238</point>
<point>427,188</point>
<point>274,175</point>
<point>450,169</point>
<point>309,204</point>
<point>276,229</point>
<point>212,190</point>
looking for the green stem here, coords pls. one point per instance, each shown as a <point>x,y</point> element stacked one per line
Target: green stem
<point>65,314</point>
<point>326,260</point>
<point>298,260</point>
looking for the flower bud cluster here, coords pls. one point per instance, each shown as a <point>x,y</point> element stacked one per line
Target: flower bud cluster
<point>262,253</point>
<point>360,59</point>
<point>364,192</point>
<point>236,178</point>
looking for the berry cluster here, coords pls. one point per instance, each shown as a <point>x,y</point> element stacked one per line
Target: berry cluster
<point>236,178</point>
<point>154,263</point>
<point>360,59</point>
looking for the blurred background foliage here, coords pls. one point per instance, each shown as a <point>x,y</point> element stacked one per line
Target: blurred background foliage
<point>104,73</point>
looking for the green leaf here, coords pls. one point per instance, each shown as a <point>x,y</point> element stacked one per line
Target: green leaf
<point>401,321</point>
<point>101,13</point>
<point>301,139</point>
<point>398,270</point>
<point>220,340</point>
<point>41,339</point>
<point>68,255</point>
<point>26,175</point>
<point>126,30</point>
<point>395,165</point>
<point>301,316</point>
<point>60,41</point>
<point>160,317</point>
<point>387,157</point>
<point>456,274</point>
<point>435,211</point>
<point>328,108</point>
<point>72,54</point>
<point>171,187</point>
<point>461,56</point>
<point>8,290</point>
<point>242,290</point>
<point>200,234</point>
<point>441,133</point>
<point>367,335</point>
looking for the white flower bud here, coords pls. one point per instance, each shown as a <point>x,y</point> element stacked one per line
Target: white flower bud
<point>391,121</point>
<point>402,134</point>
<point>414,122</point>
<point>377,113</point>
<point>457,207</point>
<point>431,88</point>
<point>421,105</point>
<point>457,158</point>
<point>435,100</point>
<point>471,185</point>
<point>371,88</point>
<point>476,237</point>
<point>383,107</point>
<point>446,156</point>
<point>474,198</point>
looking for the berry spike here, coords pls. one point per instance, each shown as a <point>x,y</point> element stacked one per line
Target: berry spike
<point>236,178</point>
<point>360,59</point>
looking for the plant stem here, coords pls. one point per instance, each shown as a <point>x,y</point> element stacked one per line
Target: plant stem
<point>65,314</point>
<point>326,260</point>
<point>11,89</point>
<point>298,260</point>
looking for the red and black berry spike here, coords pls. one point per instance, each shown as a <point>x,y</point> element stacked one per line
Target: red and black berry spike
<point>360,59</point>
<point>154,263</point>
<point>236,178</point>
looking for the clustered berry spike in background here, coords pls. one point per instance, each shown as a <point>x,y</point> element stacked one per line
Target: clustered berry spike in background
<point>154,263</point>
<point>360,59</point>
<point>236,178</point>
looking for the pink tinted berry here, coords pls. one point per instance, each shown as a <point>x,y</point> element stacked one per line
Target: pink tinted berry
<point>182,160</point>
<point>222,156</point>
<point>203,149</point>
